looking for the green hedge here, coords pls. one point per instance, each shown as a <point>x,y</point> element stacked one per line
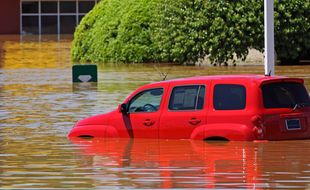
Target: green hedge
<point>180,31</point>
<point>183,31</point>
<point>292,29</point>
<point>234,27</point>
<point>115,31</point>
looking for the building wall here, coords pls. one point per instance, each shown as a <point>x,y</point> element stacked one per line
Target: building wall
<point>9,16</point>
<point>1,56</point>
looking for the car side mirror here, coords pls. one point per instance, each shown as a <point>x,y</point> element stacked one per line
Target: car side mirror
<point>123,108</point>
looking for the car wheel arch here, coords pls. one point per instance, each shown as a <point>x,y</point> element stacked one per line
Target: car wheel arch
<point>91,131</point>
<point>222,131</point>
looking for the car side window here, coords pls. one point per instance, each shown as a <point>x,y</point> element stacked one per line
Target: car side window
<point>229,97</point>
<point>146,101</point>
<point>189,97</point>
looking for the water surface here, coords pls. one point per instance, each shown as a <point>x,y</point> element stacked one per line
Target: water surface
<point>39,105</point>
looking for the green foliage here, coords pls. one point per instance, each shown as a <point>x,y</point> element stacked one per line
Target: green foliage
<point>142,31</point>
<point>180,31</point>
<point>234,27</point>
<point>183,31</point>
<point>292,29</point>
<point>115,31</point>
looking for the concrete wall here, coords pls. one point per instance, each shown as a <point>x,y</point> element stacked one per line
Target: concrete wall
<point>9,16</point>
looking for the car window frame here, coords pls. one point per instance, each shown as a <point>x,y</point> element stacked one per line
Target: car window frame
<point>204,97</point>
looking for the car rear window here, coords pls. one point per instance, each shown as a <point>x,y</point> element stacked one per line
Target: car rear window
<point>187,97</point>
<point>229,97</point>
<point>285,95</point>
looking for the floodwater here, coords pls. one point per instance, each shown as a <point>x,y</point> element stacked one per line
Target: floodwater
<point>39,105</point>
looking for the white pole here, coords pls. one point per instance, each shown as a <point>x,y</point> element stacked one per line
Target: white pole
<point>269,37</point>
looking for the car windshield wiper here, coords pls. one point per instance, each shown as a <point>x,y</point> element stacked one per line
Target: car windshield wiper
<point>301,105</point>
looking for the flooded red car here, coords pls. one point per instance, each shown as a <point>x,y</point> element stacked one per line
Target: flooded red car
<point>223,107</point>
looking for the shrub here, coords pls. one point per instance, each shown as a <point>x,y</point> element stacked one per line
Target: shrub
<point>236,26</point>
<point>180,31</point>
<point>233,28</point>
<point>142,31</point>
<point>115,31</point>
<point>292,29</point>
<point>183,31</point>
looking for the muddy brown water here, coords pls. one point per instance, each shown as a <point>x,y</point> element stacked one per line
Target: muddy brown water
<point>39,105</point>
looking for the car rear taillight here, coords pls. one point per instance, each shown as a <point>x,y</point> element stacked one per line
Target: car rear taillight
<point>258,131</point>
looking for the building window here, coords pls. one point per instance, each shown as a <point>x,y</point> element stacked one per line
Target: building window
<point>67,7</point>
<point>67,24</point>
<point>49,7</point>
<point>49,24</point>
<point>30,7</point>
<point>85,7</point>
<point>31,24</point>
<point>53,16</point>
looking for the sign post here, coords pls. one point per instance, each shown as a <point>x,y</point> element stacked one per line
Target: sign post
<point>269,37</point>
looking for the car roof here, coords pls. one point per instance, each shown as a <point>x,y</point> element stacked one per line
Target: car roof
<point>259,79</point>
<point>244,78</point>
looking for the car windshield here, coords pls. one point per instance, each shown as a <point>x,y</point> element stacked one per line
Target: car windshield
<point>285,95</point>
<point>146,101</point>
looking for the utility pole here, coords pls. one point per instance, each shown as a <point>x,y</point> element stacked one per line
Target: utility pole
<point>269,37</point>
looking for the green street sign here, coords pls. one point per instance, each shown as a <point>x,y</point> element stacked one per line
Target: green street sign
<point>84,73</point>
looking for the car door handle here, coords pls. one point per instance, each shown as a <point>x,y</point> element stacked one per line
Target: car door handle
<point>194,121</point>
<point>148,122</point>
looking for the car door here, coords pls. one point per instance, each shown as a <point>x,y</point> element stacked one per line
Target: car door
<point>185,110</point>
<point>144,110</point>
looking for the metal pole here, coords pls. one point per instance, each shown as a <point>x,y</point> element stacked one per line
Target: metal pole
<point>269,37</point>
<point>58,18</point>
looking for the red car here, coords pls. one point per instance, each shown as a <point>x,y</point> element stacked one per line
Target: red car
<point>228,107</point>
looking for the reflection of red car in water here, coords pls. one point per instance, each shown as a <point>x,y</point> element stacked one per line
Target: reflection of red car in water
<point>175,163</point>
<point>236,107</point>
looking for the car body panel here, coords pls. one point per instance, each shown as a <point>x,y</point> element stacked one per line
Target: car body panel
<point>179,124</point>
